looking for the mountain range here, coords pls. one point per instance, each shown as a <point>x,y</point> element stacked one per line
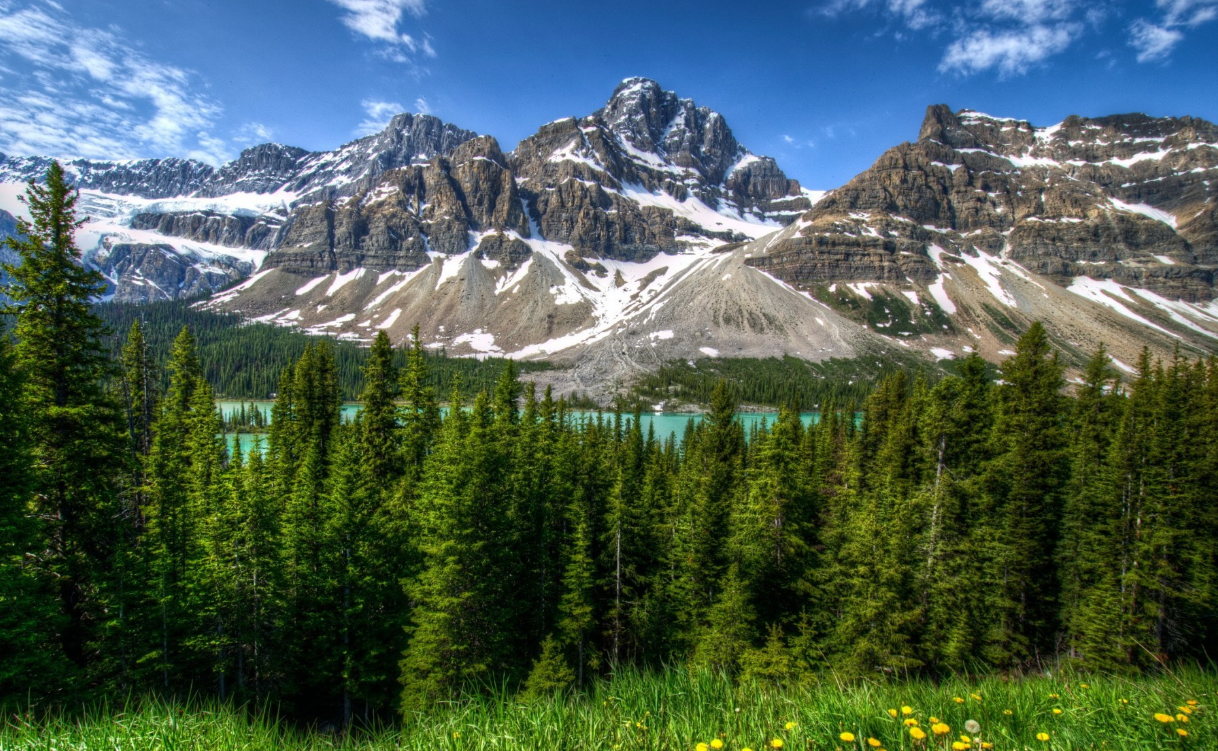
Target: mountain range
<point>645,233</point>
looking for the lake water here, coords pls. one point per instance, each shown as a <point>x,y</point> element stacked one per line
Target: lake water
<point>665,423</point>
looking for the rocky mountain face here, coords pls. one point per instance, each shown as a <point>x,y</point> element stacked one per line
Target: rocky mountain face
<point>172,228</point>
<point>644,232</point>
<point>1122,210</point>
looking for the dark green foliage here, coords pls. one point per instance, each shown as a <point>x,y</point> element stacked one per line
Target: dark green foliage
<point>243,360</point>
<point>786,382</point>
<point>346,570</point>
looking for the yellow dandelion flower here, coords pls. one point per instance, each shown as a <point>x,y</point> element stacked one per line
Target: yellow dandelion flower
<point>1191,702</point>
<point>1182,732</point>
<point>746,748</point>
<point>892,713</point>
<point>456,734</point>
<point>957,699</point>
<point>1007,712</point>
<point>906,710</point>
<point>776,743</point>
<point>976,697</point>
<point>702,747</point>
<point>965,739</point>
<point>1055,696</point>
<point>1185,709</point>
<point>847,737</point>
<point>911,723</point>
<point>987,744</point>
<point>716,744</point>
<point>959,745</point>
<point>917,733</point>
<point>933,720</point>
<point>940,728</point>
<point>874,742</point>
<point>1182,717</point>
<point>1124,701</point>
<point>789,726</point>
<point>1056,711</point>
<point>1164,718</point>
<point>1042,737</point>
<point>1084,685</point>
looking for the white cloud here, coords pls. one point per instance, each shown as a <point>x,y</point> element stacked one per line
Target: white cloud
<point>1188,12</point>
<point>74,91</point>
<point>788,139</point>
<point>915,14</point>
<point>1005,36</point>
<point>1010,52</point>
<point>1155,41</point>
<point>421,106</point>
<point>377,115</point>
<point>1152,42</point>
<point>378,20</point>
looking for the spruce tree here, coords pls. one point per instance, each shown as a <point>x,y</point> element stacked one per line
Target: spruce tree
<point>75,436</point>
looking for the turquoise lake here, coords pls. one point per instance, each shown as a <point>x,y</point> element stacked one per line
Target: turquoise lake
<point>665,423</point>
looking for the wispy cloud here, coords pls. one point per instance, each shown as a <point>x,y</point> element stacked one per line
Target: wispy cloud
<point>377,115</point>
<point>421,106</point>
<point>1155,41</point>
<point>74,91</point>
<point>1011,37</point>
<point>379,21</point>
<point>1010,52</point>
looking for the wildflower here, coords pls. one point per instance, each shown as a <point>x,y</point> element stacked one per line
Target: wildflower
<point>972,726</point>
<point>906,710</point>
<point>911,722</point>
<point>1007,712</point>
<point>716,744</point>
<point>892,713</point>
<point>1084,685</point>
<point>940,728</point>
<point>1164,718</point>
<point>957,699</point>
<point>1056,711</point>
<point>917,733</point>
<point>976,697</point>
<point>1042,737</point>
<point>965,739</point>
<point>702,747</point>
<point>1185,709</point>
<point>789,726</point>
<point>1124,701</point>
<point>1191,702</point>
<point>959,745</point>
<point>776,743</point>
<point>1182,717</point>
<point>456,734</point>
<point>847,737</point>
<point>746,748</point>
<point>1055,696</point>
<point>933,720</point>
<point>1182,732</point>
<point>986,744</point>
<point>874,742</point>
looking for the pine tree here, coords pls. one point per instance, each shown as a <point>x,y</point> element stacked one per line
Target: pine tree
<point>74,430</point>
<point>1089,556</point>
<point>31,664</point>
<point>1024,486</point>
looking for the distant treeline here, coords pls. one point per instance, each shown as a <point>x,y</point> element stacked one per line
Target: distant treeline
<point>775,382</point>
<point>244,360</point>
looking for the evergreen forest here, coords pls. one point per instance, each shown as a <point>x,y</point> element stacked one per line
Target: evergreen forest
<point>1001,523</point>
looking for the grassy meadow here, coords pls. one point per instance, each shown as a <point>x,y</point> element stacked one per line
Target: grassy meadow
<point>700,712</point>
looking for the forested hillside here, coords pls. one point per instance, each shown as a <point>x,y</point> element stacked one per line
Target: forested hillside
<point>243,360</point>
<point>355,569</point>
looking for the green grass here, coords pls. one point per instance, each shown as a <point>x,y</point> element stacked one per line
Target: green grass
<point>678,710</point>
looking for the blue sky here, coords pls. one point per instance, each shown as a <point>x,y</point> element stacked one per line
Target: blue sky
<point>824,86</point>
